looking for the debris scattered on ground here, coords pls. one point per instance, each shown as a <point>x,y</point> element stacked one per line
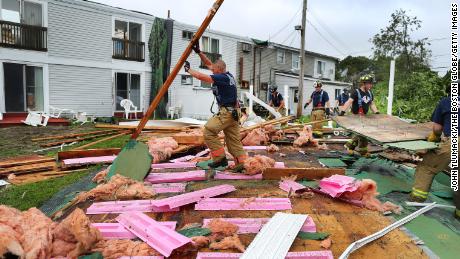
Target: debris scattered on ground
<point>161,148</point>
<point>231,242</point>
<point>257,164</point>
<point>220,229</point>
<point>326,243</point>
<point>116,248</point>
<point>200,241</point>
<point>101,176</point>
<point>118,188</point>
<point>306,137</point>
<point>282,155</point>
<point>323,147</point>
<point>273,148</point>
<point>257,137</point>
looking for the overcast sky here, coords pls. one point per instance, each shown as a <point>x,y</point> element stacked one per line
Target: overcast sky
<point>336,27</point>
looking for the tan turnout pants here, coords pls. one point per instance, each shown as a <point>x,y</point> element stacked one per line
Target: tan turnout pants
<point>318,115</point>
<point>223,121</point>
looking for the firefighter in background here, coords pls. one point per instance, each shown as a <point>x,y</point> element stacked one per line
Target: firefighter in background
<point>228,116</point>
<point>341,100</point>
<point>439,159</point>
<point>321,107</point>
<point>361,100</point>
<point>276,101</point>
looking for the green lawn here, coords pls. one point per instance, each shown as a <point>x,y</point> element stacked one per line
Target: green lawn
<point>31,195</point>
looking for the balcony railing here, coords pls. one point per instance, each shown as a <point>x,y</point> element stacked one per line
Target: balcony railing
<point>212,56</point>
<point>23,36</point>
<point>128,50</point>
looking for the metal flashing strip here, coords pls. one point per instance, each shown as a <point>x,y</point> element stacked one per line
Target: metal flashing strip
<point>277,164</point>
<point>327,254</point>
<point>117,231</point>
<point>192,197</point>
<point>197,175</point>
<point>169,187</point>
<point>159,237</point>
<point>244,204</point>
<point>124,206</point>
<point>291,186</point>
<point>236,176</point>
<point>174,165</point>
<point>182,159</point>
<point>254,225</point>
<point>276,237</point>
<point>255,147</point>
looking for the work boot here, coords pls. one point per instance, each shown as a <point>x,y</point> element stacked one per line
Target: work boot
<point>238,168</point>
<point>223,162</point>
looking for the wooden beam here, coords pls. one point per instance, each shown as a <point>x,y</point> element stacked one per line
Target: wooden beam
<point>188,140</point>
<point>301,173</point>
<point>158,128</point>
<point>74,135</point>
<point>8,164</point>
<point>88,153</point>
<point>101,140</point>
<point>25,169</point>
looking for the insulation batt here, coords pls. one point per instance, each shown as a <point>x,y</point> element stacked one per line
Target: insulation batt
<point>257,164</point>
<point>194,132</point>
<point>221,228</point>
<point>118,188</point>
<point>228,243</point>
<point>366,193</point>
<point>116,248</point>
<point>100,177</point>
<point>256,137</point>
<point>305,137</point>
<point>161,148</point>
<point>273,148</point>
<point>200,241</point>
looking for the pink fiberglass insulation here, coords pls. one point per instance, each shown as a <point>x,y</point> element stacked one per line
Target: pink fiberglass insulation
<point>231,242</point>
<point>220,228</point>
<point>30,234</point>
<point>115,248</point>
<point>161,148</point>
<point>256,137</point>
<point>337,184</point>
<point>366,193</point>
<point>273,148</point>
<point>118,188</point>
<point>306,137</point>
<point>257,164</point>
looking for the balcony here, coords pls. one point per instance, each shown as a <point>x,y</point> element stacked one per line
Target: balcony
<point>128,50</point>
<point>212,56</point>
<point>23,36</point>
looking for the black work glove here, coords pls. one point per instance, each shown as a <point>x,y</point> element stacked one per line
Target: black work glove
<point>328,111</point>
<point>196,47</point>
<point>187,66</point>
<point>305,106</point>
<point>342,113</point>
<point>377,113</point>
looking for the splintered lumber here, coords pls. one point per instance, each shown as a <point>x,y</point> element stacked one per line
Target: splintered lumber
<point>301,173</point>
<point>188,140</point>
<point>156,128</point>
<point>27,160</point>
<point>270,122</point>
<point>102,140</point>
<point>383,128</point>
<point>77,139</point>
<point>300,126</point>
<point>40,176</point>
<point>87,153</point>
<point>74,135</point>
<point>25,169</point>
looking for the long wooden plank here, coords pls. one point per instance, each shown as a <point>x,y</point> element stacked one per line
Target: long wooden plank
<point>187,140</point>
<point>40,176</point>
<point>271,122</point>
<point>158,128</point>
<point>73,135</point>
<point>102,140</point>
<point>301,173</point>
<point>24,169</point>
<point>52,144</point>
<point>383,128</point>
<point>87,153</point>
<point>7,164</point>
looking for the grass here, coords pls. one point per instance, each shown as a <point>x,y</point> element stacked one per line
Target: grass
<point>31,195</point>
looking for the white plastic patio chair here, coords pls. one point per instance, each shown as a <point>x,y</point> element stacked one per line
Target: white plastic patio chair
<point>174,110</point>
<point>127,104</point>
<point>81,117</point>
<point>56,112</point>
<point>35,119</point>
<point>1,116</point>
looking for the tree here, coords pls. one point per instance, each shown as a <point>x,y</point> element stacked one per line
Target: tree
<point>350,68</point>
<point>395,41</point>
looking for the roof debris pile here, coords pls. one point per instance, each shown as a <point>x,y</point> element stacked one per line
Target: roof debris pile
<point>257,164</point>
<point>161,148</point>
<point>306,137</point>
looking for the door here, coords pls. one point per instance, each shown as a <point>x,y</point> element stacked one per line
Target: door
<point>14,87</point>
<point>127,86</point>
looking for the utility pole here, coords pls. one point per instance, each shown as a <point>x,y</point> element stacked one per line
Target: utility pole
<point>302,58</point>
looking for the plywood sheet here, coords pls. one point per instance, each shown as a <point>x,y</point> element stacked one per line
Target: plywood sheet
<point>383,128</point>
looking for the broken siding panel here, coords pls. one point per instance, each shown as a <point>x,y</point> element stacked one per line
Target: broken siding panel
<point>77,33</point>
<point>81,89</point>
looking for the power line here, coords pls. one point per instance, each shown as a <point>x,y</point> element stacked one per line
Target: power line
<point>290,21</point>
<point>324,38</point>
<point>438,39</point>
<point>328,30</point>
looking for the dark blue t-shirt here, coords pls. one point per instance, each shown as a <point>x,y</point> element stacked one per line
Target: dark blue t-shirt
<point>319,98</point>
<point>224,88</point>
<point>442,114</point>
<point>276,100</point>
<point>342,99</point>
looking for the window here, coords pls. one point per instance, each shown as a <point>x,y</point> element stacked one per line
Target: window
<point>128,31</point>
<point>186,80</point>
<point>244,84</point>
<point>211,48</point>
<point>320,67</point>
<point>246,47</point>
<point>187,35</point>
<point>20,11</point>
<point>264,86</point>
<point>295,61</point>
<point>127,86</point>
<point>337,93</point>
<point>281,57</point>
